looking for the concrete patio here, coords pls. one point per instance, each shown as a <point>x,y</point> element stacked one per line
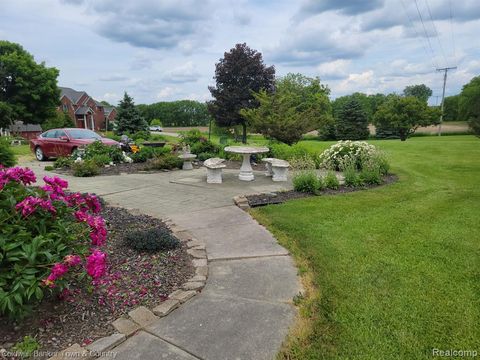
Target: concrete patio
<point>245,310</point>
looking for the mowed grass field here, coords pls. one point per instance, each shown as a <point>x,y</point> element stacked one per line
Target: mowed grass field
<point>392,272</point>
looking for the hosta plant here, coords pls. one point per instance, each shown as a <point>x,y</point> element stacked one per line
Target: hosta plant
<point>49,239</point>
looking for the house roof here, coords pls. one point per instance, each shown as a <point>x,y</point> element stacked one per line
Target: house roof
<point>108,109</point>
<point>83,110</point>
<point>73,95</point>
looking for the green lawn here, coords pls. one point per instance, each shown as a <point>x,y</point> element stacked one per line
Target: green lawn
<point>395,271</point>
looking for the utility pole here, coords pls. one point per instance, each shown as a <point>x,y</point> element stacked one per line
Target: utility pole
<point>445,71</point>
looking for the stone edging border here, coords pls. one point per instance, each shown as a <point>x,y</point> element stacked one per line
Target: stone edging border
<point>141,316</point>
<point>241,201</point>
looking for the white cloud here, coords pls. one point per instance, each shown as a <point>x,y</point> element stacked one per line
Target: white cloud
<point>336,69</point>
<point>166,93</point>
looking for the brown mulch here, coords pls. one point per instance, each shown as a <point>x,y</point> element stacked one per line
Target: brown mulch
<point>283,196</point>
<point>134,278</point>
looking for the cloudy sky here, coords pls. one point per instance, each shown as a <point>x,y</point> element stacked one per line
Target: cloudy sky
<point>160,50</point>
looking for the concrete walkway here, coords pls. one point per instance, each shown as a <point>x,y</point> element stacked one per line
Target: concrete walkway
<point>245,309</point>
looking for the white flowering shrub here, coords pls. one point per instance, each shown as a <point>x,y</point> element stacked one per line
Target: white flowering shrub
<point>358,155</point>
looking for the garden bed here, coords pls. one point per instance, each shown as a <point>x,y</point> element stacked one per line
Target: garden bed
<point>134,278</point>
<point>283,196</point>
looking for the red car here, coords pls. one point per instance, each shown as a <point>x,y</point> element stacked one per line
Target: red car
<point>63,142</point>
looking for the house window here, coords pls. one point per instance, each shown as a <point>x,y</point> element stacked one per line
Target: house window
<point>65,107</point>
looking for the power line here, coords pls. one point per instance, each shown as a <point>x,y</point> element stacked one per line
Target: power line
<point>436,32</point>
<point>417,34</point>
<point>425,31</point>
<point>445,71</point>
<point>451,30</point>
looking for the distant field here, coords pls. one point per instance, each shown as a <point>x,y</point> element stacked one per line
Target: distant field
<point>447,127</point>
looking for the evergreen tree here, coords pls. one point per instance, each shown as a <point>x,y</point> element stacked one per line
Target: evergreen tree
<point>352,121</point>
<point>128,119</point>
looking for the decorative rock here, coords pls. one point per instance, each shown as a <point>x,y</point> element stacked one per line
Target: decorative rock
<point>182,296</point>
<point>196,285</point>
<point>141,315</point>
<point>183,235</point>
<point>166,307</point>
<point>106,343</point>
<point>73,352</point>
<point>199,262</point>
<point>202,271</point>
<point>198,254</point>
<point>198,278</point>
<point>125,326</point>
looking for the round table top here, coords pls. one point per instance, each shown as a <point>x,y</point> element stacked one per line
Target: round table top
<point>247,149</point>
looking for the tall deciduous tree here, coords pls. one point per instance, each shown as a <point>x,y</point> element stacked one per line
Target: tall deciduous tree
<point>469,104</point>
<point>352,121</point>
<point>128,118</point>
<point>238,75</point>
<point>405,114</point>
<point>421,92</point>
<point>298,105</point>
<point>28,90</point>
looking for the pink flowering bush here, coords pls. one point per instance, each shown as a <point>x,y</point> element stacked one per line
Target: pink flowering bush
<point>49,239</point>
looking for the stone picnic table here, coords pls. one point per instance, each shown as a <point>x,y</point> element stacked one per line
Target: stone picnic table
<point>246,171</point>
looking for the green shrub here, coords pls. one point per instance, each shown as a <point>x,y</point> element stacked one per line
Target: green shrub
<point>352,178</point>
<point>63,162</point>
<point>155,122</point>
<point>192,136</point>
<point>7,157</point>
<point>157,137</point>
<point>204,146</point>
<point>149,152</point>
<point>98,148</point>
<point>302,163</point>
<point>206,155</point>
<point>358,153</point>
<point>49,168</point>
<point>145,135</point>
<point>152,240</point>
<point>330,181</point>
<point>85,168</point>
<point>307,182</point>
<point>168,161</point>
<point>101,159</point>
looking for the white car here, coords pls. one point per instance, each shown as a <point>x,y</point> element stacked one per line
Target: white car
<point>155,128</point>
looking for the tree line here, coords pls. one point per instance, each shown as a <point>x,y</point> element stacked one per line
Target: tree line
<point>176,113</point>
<point>247,94</point>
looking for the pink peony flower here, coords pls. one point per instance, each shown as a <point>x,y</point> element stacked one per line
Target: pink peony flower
<point>58,270</point>
<point>25,176</point>
<point>30,204</point>
<point>96,264</point>
<point>72,260</point>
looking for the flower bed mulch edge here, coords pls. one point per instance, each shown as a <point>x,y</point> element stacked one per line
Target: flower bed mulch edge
<point>245,202</point>
<point>141,316</point>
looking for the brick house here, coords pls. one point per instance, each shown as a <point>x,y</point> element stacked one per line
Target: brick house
<point>84,110</point>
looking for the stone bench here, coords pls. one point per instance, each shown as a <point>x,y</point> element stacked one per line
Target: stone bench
<point>276,168</point>
<point>214,168</point>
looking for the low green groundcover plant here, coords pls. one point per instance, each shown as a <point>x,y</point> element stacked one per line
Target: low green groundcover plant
<point>48,237</point>
<point>63,162</point>
<point>307,182</point>
<point>151,240</point>
<point>85,168</point>
<point>330,181</point>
